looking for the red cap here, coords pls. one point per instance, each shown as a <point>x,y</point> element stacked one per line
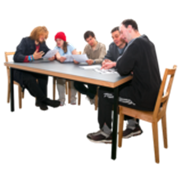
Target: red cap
<point>60,35</point>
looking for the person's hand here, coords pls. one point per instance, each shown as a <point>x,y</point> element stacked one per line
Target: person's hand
<point>106,61</point>
<point>62,59</point>
<point>52,59</point>
<point>38,55</point>
<point>90,61</point>
<point>108,65</point>
<point>76,62</point>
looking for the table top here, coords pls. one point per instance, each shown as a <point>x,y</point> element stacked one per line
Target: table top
<point>72,72</point>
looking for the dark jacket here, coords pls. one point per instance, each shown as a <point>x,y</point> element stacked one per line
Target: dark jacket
<point>112,52</point>
<point>25,48</point>
<point>140,58</point>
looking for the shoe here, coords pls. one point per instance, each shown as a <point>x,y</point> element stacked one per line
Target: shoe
<point>41,106</point>
<point>62,103</point>
<point>73,102</point>
<point>100,137</point>
<point>92,101</point>
<point>52,103</point>
<point>129,132</point>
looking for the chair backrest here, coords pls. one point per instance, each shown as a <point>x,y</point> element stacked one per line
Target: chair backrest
<point>6,58</point>
<point>163,97</point>
<point>7,54</point>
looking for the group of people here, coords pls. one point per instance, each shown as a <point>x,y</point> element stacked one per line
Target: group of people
<point>129,53</point>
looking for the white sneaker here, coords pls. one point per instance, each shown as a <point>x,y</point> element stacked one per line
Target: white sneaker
<point>62,103</point>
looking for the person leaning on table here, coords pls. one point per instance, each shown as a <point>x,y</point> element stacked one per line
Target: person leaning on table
<point>141,93</point>
<point>29,50</point>
<point>95,51</point>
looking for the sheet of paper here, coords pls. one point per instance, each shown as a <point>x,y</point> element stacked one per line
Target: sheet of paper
<point>69,58</point>
<point>91,67</point>
<point>80,58</point>
<point>50,54</point>
<point>103,71</point>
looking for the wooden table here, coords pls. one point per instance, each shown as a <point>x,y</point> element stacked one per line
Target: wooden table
<point>74,72</point>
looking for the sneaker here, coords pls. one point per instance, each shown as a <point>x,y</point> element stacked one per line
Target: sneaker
<point>62,103</point>
<point>100,137</point>
<point>73,102</point>
<point>129,132</point>
<point>92,101</point>
<point>41,106</point>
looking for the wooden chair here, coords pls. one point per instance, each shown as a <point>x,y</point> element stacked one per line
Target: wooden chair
<point>154,116</point>
<point>21,95</point>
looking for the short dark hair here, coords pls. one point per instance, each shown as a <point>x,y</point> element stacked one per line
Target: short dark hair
<point>115,29</point>
<point>130,22</point>
<point>87,34</point>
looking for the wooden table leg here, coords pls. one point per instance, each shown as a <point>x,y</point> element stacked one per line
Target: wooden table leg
<point>115,125</point>
<point>12,90</point>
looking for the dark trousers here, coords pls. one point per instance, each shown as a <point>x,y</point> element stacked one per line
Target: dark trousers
<point>36,84</point>
<point>90,91</point>
<point>105,105</point>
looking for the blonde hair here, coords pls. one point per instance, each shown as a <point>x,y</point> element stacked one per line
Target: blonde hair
<point>36,32</point>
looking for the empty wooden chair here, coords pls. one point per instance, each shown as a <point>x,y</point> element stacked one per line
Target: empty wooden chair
<point>154,116</point>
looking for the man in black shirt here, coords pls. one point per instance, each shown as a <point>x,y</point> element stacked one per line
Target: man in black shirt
<point>139,58</point>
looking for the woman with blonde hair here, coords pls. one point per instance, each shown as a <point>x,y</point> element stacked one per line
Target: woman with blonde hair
<point>29,50</point>
<point>64,49</point>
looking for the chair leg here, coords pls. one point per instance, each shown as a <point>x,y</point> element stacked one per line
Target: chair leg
<point>96,101</point>
<point>54,88</point>
<point>69,92</point>
<point>66,86</point>
<point>79,98</point>
<point>164,128</point>
<point>121,118</point>
<point>19,96</point>
<point>8,86</point>
<point>155,139</point>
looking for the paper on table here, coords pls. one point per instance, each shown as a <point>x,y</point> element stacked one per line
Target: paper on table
<point>50,54</point>
<point>91,67</point>
<point>108,71</point>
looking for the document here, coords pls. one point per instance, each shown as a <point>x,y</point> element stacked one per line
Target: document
<point>90,67</point>
<point>77,57</point>
<point>107,71</point>
<point>50,54</point>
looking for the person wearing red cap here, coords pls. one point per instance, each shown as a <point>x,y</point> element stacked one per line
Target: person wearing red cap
<point>64,49</point>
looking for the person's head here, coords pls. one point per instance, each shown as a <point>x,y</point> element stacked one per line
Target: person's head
<point>89,37</point>
<point>39,34</point>
<point>116,37</point>
<point>128,30</point>
<point>60,39</point>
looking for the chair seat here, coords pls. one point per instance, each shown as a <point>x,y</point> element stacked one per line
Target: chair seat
<point>144,115</point>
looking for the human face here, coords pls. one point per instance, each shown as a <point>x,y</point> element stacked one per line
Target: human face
<point>117,40</point>
<point>91,41</point>
<point>59,42</point>
<point>125,33</point>
<point>42,38</point>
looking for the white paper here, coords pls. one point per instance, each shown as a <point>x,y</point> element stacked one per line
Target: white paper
<point>50,54</point>
<point>91,67</point>
<point>69,58</point>
<point>106,71</point>
<point>80,58</point>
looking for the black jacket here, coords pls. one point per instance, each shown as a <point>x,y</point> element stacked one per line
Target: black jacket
<point>25,48</point>
<point>112,52</point>
<point>140,58</point>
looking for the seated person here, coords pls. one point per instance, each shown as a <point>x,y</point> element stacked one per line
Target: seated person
<point>95,51</point>
<point>64,49</point>
<point>140,58</point>
<point>30,49</point>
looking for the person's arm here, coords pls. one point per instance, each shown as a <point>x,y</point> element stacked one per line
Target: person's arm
<point>125,65</point>
<point>109,56</point>
<point>74,52</point>
<point>20,52</point>
<point>101,55</point>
